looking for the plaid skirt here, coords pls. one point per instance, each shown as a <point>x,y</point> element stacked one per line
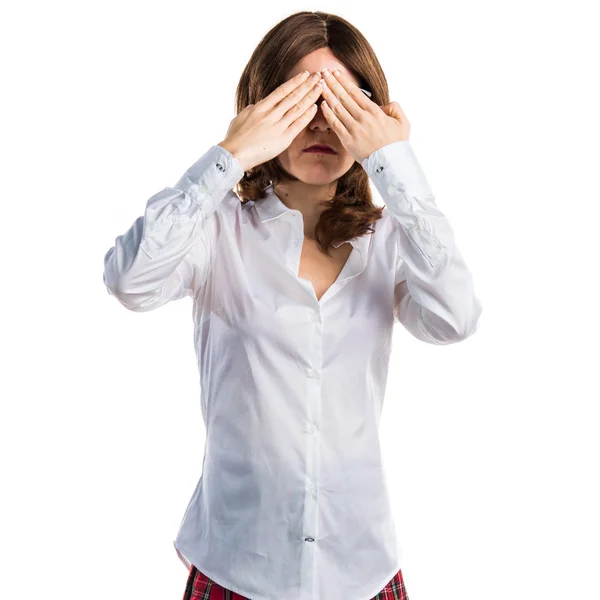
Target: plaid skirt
<point>201,587</point>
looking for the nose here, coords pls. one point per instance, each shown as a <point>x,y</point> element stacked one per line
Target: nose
<point>319,119</point>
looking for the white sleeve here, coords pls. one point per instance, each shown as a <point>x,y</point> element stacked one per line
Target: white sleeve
<point>434,296</point>
<point>167,253</point>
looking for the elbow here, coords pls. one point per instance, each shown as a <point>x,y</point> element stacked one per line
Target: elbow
<point>442,336</point>
<point>446,335</point>
<point>138,302</point>
<point>461,334</point>
<point>134,301</point>
<point>132,295</point>
<point>443,332</point>
<point>112,277</point>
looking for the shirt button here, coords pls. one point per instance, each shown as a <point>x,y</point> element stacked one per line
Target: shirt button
<point>309,539</point>
<point>315,317</point>
<point>297,242</point>
<point>310,428</point>
<point>378,169</point>
<point>311,373</point>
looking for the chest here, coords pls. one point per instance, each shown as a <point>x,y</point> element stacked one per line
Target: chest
<point>318,268</point>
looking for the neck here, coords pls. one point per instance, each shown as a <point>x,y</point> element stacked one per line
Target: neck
<point>307,199</point>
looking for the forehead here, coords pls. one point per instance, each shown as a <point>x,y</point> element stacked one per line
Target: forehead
<point>319,60</point>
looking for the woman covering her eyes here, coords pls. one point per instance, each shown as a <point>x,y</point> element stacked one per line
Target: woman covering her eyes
<point>297,279</point>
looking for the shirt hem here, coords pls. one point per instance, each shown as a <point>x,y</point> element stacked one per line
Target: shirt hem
<point>233,588</point>
<point>225,584</point>
<point>383,585</point>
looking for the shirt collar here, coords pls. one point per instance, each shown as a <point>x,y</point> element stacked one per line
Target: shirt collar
<point>271,207</point>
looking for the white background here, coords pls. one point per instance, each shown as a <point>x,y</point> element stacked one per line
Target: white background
<point>491,444</point>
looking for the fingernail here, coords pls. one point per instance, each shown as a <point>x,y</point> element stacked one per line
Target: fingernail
<point>325,72</point>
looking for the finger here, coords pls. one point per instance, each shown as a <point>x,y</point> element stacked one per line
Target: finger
<point>362,98</point>
<point>295,96</point>
<point>398,112</point>
<point>298,107</point>
<point>395,110</point>
<point>338,109</point>
<point>391,110</point>
<point>350,95</point>
<point>336,124</point>
<point>300,123</point>
<point>280,92</point>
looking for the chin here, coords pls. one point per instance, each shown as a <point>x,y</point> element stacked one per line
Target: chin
<point>318,173</point>
<point>318,176</point>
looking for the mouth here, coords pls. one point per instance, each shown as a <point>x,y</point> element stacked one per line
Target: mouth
<point>320,149</point>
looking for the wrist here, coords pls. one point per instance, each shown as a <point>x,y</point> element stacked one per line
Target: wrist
<point>236,153</point>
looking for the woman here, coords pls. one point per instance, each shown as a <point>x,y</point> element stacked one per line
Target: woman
<point>296,290</point>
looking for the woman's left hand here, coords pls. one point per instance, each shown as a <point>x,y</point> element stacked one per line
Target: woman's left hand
<point>361,125</point>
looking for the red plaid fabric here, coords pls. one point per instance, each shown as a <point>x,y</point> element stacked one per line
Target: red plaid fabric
<point>201,587</point>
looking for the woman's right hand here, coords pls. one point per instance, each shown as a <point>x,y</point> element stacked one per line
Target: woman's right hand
<point>263,130</point>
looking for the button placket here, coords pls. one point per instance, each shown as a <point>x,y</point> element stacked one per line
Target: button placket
<point>313,412</point>
<point>312,373</point>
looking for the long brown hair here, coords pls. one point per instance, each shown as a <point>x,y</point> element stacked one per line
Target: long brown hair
<point>351,212</point>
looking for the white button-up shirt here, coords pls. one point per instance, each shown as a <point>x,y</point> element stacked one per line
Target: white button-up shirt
<point>293,501</point>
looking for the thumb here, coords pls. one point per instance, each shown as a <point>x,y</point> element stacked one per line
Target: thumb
<point>391,110</point>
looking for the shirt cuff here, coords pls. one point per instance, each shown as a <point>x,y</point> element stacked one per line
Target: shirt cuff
<point>394,169</point>
<point>215,172</point>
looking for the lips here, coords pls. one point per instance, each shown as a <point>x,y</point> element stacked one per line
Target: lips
<point>320,148</point>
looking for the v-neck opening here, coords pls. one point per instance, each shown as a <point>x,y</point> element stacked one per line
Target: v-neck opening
<point>334,282</point>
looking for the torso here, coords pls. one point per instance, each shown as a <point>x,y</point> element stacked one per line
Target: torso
<point>320,269</point>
